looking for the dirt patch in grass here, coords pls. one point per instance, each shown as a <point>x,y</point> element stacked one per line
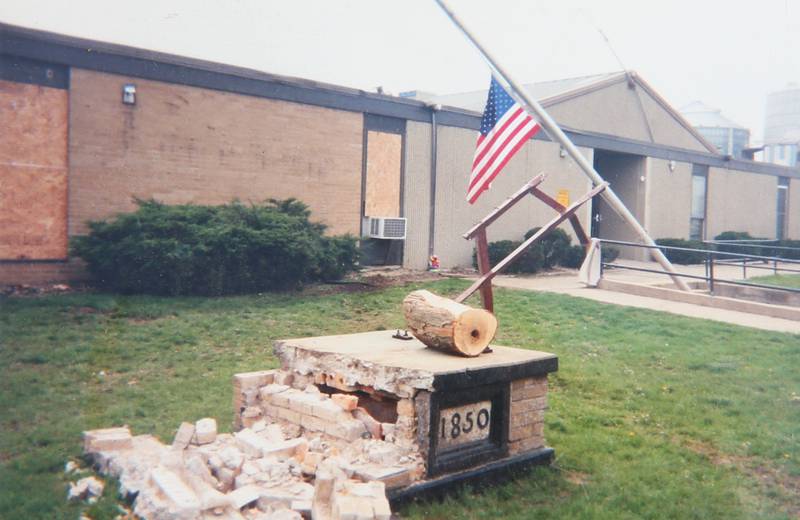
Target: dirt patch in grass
<point>577,478</point>
<point>372,279</point>
<point>768,477</point>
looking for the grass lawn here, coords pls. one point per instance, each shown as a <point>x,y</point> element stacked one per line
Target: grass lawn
<point>651,415</point>
<point>781,280</point>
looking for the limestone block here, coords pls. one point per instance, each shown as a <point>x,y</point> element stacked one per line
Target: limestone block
<point>277,497</point>
<point>250,380</point>
<point>267,391</point>
<point>300,401</point>
<point>245,495</point>
<point>329,411</point>
<point>205,431</point>
<point>345,401</point>
<point>346,507</point>
<point>315,424</point>
<point>197,467</point>
<point>274,433</point>
<point>391,476</point>
<point>183,499</point>
<point>301,506</point>
<point>251,443</point>
<point>349,430</point>
<point>286,449</point>
<point>183,436</point>
<point>107,439</point>
<point>289,415</point>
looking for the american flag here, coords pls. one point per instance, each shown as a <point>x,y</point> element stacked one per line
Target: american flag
<point>504,129</point>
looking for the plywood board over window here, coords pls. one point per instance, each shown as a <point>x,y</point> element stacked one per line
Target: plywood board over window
<point>33,172</point>
<point>382,190</point>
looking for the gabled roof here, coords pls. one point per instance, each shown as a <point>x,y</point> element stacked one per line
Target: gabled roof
<point>550,93</point>
<point>541,91</point>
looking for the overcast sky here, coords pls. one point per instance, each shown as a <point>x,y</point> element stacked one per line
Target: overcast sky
<point>729,54</point>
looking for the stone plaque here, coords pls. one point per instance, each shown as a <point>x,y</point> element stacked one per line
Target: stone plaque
<point>464,424</point>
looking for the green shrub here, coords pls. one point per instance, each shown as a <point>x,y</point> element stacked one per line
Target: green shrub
<point>742,249</point>
<point>554,249</point>
<point>574,257</point>
<point>213,250</point>
<point>554,246</point>
<point>793,255</point>
<point>608,254</point>
<point>683,257</point>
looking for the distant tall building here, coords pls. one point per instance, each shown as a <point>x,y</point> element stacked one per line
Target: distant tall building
<point>729,137</point>
<point>782,126</point>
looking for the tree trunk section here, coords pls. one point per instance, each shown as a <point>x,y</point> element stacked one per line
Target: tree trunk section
<point>445,325</point>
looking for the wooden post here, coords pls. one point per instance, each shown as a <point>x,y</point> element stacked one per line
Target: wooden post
<point>483,267</point>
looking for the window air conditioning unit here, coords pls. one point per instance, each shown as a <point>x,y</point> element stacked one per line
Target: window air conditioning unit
<point>392,228</point>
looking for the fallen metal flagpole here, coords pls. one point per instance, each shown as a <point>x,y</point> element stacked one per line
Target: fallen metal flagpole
<point>551,127</point>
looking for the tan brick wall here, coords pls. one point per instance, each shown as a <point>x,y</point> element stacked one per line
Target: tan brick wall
<point>182,144</point>
<point>526,424</point>
<point>38,273</point>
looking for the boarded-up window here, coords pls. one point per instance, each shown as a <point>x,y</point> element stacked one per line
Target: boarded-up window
<point>33,172</point>
<point>382,190</point>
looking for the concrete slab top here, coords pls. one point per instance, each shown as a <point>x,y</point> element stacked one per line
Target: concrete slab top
<point>380,348</point>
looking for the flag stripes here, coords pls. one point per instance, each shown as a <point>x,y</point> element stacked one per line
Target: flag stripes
<point>505,128</point>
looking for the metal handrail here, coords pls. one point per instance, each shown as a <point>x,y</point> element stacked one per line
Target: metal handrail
<point>693,250</point>
<point>709,266</point>
<point>751,243</point>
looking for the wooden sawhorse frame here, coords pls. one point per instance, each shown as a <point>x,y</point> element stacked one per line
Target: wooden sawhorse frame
<point>478,232</point>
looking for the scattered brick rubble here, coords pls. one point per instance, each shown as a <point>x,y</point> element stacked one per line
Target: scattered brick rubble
<point>322,438</point>
<point>299,452</point>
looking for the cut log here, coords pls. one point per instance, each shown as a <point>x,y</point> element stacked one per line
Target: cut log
<point>448,326</point>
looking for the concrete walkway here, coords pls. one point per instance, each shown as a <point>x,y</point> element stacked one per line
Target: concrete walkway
<point>569,284</point>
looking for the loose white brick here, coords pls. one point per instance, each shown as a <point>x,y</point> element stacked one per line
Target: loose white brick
<point>177,491</point>
<point>244,495</point>
<point>205,431</point>
<point>329,411</point>
<point>251,443</point>
<point>183,436</point>
<point>107,439</point>
<point>248,380</point>
<point>270,389</point>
